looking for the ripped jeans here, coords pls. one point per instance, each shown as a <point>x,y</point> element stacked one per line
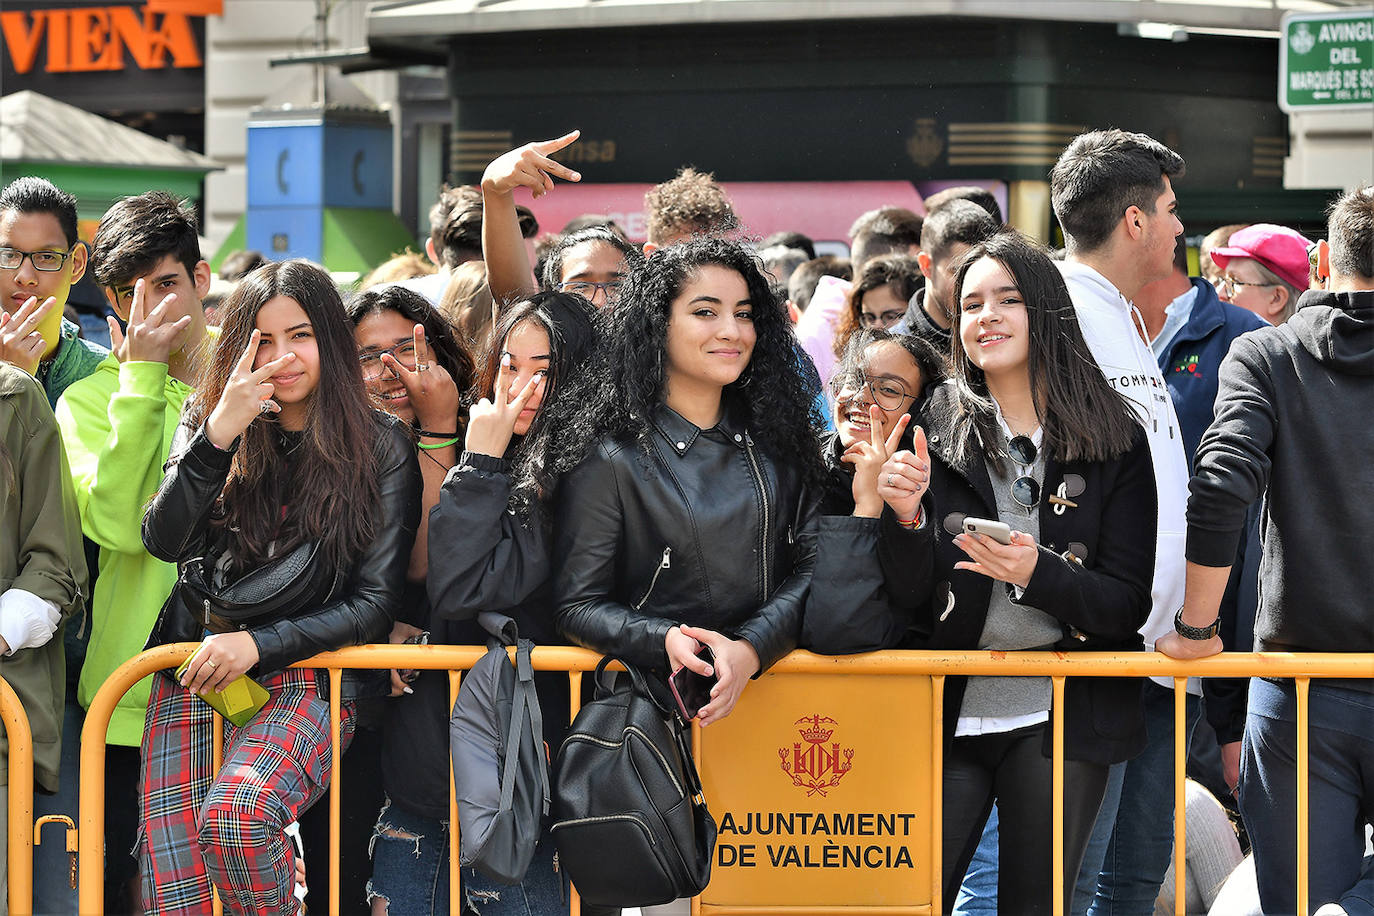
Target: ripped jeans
<point>410,871</point>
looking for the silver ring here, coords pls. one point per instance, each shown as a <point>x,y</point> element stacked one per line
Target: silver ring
<point>889,480</point>
<point>421,367</point>
<point>264,407</point>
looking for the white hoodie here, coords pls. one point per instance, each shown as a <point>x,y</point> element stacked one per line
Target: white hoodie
<point>1110,326</point>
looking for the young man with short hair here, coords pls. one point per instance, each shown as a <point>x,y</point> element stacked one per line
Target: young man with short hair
<point>117,426</point>
<point>946,236</point>
<point>1112,192</point>
<point>1290,427</point>
<point>41,256</point>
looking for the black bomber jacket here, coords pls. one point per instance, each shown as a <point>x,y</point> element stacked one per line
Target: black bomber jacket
<point>176,529</point>
<point>703,529</point>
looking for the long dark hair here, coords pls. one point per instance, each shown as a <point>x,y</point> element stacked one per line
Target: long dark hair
<point>449,352</point>
<point>776,392</point>
<point>324,486</point>
<point>1084,418</point>
<point>569,321</point>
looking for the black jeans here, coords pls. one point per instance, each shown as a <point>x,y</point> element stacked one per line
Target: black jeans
<point>1010,768</point>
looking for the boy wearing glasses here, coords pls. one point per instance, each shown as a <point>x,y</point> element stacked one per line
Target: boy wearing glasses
<point>117,426</point>
<point>40,258</point>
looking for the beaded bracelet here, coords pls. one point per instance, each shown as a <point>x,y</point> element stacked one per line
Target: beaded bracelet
<point>445,444</point>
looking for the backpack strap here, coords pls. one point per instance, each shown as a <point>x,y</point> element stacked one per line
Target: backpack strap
<point>524,700</point>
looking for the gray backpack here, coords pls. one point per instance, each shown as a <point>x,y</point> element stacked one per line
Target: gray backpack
<point>500,764</point>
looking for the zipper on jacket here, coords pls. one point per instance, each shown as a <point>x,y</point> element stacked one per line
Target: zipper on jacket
<point>207,612</point>
<point>760,483</point>
<point>663,563</point>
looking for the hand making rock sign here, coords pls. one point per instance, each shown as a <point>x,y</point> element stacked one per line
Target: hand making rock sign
<point>247,395</point>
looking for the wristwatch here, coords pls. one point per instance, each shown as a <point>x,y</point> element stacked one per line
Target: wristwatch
<point>1197,633</point>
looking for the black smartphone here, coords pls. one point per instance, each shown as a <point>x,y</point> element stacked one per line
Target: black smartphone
<point>691,690</point>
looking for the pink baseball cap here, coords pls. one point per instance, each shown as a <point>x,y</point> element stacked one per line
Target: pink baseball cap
<point>1276,247</point>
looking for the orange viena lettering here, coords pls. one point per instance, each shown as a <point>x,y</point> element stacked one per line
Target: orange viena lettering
<point>59,41</point>
<point>173,36</point>
<point>126,31</point>
<point>22,41</point>
<point>92,48</point>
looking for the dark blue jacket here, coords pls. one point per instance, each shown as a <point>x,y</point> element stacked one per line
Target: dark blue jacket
<point>1190,370</point>
<point>1191,363</point>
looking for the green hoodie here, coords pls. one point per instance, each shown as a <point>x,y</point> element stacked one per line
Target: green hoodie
<point>117,424</point>
<point>40,552</point>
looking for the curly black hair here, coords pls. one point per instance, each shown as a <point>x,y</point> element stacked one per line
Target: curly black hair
<point>777,393</point>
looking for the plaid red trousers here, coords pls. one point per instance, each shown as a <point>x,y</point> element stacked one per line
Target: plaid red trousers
<point>198,826</point>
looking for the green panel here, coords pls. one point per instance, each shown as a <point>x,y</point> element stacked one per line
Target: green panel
<point>1327,61</point>
<point>359,240</point>
<point>236,240</point>
<point>97,187</point>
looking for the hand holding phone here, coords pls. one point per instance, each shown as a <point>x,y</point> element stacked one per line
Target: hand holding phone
<point>998,531</point>
<point>692,690</point>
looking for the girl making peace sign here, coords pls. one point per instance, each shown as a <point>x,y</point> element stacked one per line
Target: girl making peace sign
<point>279,455</point>
<point>488,551</point>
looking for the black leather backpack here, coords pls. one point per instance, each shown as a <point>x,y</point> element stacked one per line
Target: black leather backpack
<point>630,821</point>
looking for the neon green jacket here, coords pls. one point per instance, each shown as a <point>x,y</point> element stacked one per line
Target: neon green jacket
<point>117,424</point>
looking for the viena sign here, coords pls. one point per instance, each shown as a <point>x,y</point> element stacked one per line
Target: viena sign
<point>1326,60</point>
<point>153,35</point>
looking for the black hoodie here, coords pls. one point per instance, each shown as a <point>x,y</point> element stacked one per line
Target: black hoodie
<point>1293,423</point>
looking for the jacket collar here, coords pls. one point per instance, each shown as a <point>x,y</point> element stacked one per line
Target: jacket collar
<point>681,434</point>
<point>939,425</point>
<point>1206,317</point>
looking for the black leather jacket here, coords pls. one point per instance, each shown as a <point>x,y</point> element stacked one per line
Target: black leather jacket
<point>176,529</point>
<point>708,531</point>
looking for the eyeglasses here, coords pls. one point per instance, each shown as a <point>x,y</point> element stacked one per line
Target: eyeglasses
<point>887,393</point>
<point>1025,490</point>
<point>374,368</point>
<point>46,260</point>
<point>1234,286</point>
<point>587,289</point>
<point>883,320</point>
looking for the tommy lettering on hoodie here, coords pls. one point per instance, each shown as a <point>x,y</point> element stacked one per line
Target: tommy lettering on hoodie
<point>1112,328</point>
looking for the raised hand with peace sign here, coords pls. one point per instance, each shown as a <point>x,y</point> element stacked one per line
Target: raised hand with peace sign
<point>509,276</point>
<point>247,394</point>
<point>524,367</point>
<point>867,458</point>
<point>529,166</point>
<point>151,337</point>
<point>20,341</point>
<point>904,477</point>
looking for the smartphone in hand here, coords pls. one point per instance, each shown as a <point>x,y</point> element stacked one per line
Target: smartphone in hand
<point>998,531</point>
<point>691,690</point>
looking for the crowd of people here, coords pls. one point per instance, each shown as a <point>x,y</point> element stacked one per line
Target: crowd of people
<point>954,438</point>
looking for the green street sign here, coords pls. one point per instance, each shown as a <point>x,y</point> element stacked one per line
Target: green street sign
<point>1326,60</point>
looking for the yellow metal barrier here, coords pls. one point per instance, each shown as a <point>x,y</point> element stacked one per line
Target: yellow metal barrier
<point>937,665</point>
<point>20,800</point>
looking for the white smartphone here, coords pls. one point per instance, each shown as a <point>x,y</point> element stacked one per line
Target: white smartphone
<point>998,531</point>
